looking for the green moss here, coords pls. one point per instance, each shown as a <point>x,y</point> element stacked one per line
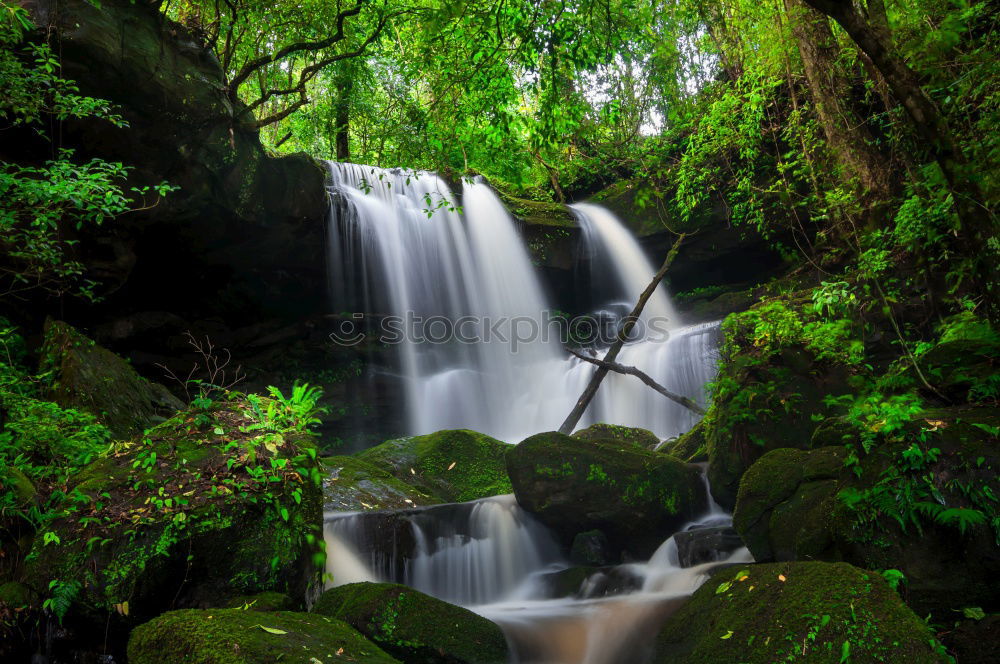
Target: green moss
<point>232,636</point>
<point>795,612</point>
<point>456,465</point>
<point>15,595</point>
<point>636,496</point>
<point>353,484</point>
<point>413,626</point>
<point>641,437</point>
<point>94,379</point>
<point>538,213</point>
<point>690,446</point>
<point>267,601</point>
<point>204,505</point>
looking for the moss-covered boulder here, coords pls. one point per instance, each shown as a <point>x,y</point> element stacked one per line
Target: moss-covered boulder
<point>454,465</point>
<point>784,502</point>
<point>352,484</point>
<point>92,378</point>
<point>643,438</point>
<point>415,627</point>
<point>233,636</point>
<point>795,612</point>
<point>917,503</point>
<point>689,446</point>
<point>221,500</point>
<point>765,403</point>
<point>636,497</point>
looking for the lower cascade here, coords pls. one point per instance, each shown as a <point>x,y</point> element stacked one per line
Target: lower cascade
<point>496,560</point>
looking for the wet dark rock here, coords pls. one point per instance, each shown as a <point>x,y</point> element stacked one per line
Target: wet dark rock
<point>590,548</point>
<point>975,641</point>
<point>636,497</point>
<point>706,545</point>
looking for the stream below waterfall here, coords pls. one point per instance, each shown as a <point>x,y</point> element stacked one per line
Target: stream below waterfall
<point>405,245</point>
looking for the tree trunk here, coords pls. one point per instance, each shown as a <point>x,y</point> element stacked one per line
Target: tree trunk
<point>848,135</point>
<point>931,128</point>
<point>345,84</point>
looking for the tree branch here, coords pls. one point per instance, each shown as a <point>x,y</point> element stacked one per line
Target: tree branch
<point>253,65</point>
<point>616,347</point>
<point>644,377</point>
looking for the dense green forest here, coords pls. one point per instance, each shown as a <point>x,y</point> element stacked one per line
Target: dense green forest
<point>174,421</point>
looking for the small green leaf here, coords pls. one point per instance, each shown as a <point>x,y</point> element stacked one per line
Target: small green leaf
<point>723,587</point>
<point>973,613</point>
<point>845,652</point>
<point>272,630</point>
<point>218,431</point>
<point>727,635</point>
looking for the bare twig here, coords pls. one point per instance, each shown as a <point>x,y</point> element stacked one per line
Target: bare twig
<point>616,347</point>
<point>644,377</point>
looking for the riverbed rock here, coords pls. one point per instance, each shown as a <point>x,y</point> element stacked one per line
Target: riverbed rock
<point>590,548</point>
<point>643,438</point>
<point>352,484</point>
<point>803,611</point>
<point>706,545</point>
<point>454,465</point>
<point>233,636</point>
<point>413,626</point>
<point>92,378</point>
<point>636,497</point>
<point>689,446</point>
<point>208,505</point>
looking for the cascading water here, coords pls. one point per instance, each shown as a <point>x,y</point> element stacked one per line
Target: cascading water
<point>467,553</point>
<point>400,246</point>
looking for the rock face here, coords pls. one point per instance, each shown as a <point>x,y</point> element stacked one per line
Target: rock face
<point>232,636</point>
<point>784,503</point>
<point>201,509</point>
<point>413,626</point>
<point>94,379</point>
<point>802,505</point>
<point>244,231</point>
<point>451,465</point>
<point>636,497</point>
<point>737,434</point>
<point>807,611</point>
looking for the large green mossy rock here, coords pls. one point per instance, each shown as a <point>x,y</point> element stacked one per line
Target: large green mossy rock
<point>795,612</point>
<point>689,446</point>
<point>415,627</point>
<point>454,465</point>
<point>643,438</point>
<point>232,636</point>
<point>767,405</point>
<point>355,485</point>
<point>635,496</point>
<point>92,378</point>
<point>210,504</point>
<point>784,501</point>
<point>806,505</point>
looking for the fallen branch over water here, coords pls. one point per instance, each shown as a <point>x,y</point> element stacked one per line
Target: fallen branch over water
<point>644,377</point>
<point>612,354</point>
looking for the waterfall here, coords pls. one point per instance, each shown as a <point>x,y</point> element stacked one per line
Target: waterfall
<point>403,244</point>
<point>466,553</point>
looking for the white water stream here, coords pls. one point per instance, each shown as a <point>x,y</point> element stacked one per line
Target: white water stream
<point>400,247</point>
